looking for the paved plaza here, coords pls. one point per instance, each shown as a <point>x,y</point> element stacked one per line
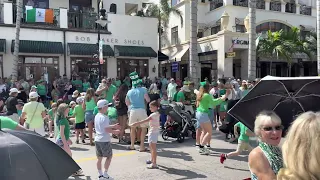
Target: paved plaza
<point>176,161</point>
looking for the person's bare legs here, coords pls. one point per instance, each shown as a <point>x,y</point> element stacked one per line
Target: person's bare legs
<point>207,130</point>
<point>90,132</point>
<point>138,134</point>
<point>142,136</point>
<point>50,129</point>
<point>153,150</point>
<point>99,166</point>
<point>122,123</point>
<point>107,164</point>
<point>132,137</point>
<point>77,135</point>
<point>198,136</point>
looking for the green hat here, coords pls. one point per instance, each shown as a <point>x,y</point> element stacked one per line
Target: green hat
<point>203,83</point>
<point>135,79</point>
<point>34,87</point>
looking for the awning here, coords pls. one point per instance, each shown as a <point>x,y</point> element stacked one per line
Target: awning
<point>39,47</point>
<point>134,51</point>
<point>88,49</point>
<point>176,54</point>
<point>2,45</point>
<point>162,57</point>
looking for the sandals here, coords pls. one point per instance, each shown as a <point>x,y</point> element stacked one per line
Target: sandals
<point>130,149</point>
<point>148,162</point>
<point>143,150</point>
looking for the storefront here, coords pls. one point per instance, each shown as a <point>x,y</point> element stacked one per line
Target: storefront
<point>2,51</point>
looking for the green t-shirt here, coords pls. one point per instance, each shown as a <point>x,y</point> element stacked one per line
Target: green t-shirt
<point>180,96</point>
<point>127,83</point>
<point>34,111</point>
<point>96,111</point>
<point>51,114</point>
<point>243,130</point>
<point>117,83</point>
<point>78,84</point>
<point>90,104</point>
<point>222,92</point>
<point>64,122</point>
<point>7,123</point>
<point>112,113</point>
<point>85,86</point>
<point>79,113</point>
<point>207,102</point>
<point>42,90</point>
<point>70,112</point>
<point>175,97</point>
<point>110,93</point>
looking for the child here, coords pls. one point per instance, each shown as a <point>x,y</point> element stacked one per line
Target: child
<point>243,141</point>
<point>80,125</point>
<point>51,114</point>
<point>102,138</point>
<point>163,103</point>
<point>153,134</point>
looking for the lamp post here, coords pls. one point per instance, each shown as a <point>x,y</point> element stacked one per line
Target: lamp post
<point>101,22</point>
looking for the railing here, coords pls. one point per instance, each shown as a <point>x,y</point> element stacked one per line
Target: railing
<point>78,20</point>
<point>275,6</point>
<point>56,17</point>
<point>243,3</point>
<point>305,10</point>
<point>215,4</point>
<point>261,4</point>
<point>291,7</point>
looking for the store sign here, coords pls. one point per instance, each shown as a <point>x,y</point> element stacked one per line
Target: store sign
<point>230,54</point>
<point>111,40</point>
<point>240,42</point>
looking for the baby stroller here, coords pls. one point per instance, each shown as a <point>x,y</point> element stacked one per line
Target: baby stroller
<point>181,125</point>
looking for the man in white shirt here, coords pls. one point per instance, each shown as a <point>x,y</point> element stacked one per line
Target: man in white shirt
<point>102,138</point>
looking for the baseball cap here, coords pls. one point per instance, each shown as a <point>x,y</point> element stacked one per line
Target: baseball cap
<point>109,80</point>
<point>33,95</point>
<point>80,100</point>
<point>71,103</point>
<point>35,87</point>
<point>14,90</point>
<point>102,103</point>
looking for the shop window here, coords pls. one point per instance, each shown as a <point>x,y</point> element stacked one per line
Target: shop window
<point>272,26</point>
<point>44,4</point>
<point>1,66</point>
<point>126,66</point>
<point>174,35</point>
<point>87,67</point>
<point>240,28</point>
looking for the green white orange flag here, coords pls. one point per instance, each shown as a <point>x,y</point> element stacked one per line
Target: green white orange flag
<point>40,15</point>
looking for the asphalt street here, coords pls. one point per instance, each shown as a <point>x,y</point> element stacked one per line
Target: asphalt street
<point>176,161</point>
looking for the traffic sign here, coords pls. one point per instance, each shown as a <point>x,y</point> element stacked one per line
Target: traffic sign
<point>230,54</point>
<point>101,51</point>
<point>175,67</point>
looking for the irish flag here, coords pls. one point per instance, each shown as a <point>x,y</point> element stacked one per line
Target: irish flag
<point>40,15</point>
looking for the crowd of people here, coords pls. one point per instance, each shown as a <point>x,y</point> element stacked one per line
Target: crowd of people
<point>112,106</point>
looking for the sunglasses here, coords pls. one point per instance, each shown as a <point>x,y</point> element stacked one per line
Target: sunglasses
<point>275,128</point>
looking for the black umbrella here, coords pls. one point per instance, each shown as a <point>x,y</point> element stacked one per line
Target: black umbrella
<point>287,96</point>
<point>26,155</point>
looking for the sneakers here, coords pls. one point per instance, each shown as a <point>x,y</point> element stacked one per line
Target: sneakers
<point>105,177</point>
<point>204,151</point>
<point>197,147</point>
<point>222,158</point>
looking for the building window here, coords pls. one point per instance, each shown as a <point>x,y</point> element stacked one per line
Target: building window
<point>215,4</point>
<point>243,3</point>
<point>174,2</point>
<point>1,66</point>
<point>215,30</point>
<point>126,66</point>
<point>261,4</point>
<point>44,4</point>
<point>305,10</point>
<point>31,67</point>
<point>272,26</point>
<point>291,7</point>
<point>200,33</point>
<point>275,5</point>
<point>174,35</point>
<point>240,28</point>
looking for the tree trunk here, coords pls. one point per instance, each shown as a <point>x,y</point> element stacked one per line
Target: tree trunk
<point>318,35</point>
<point>252,40</point>
<point>17,39</point>
<point>194,69</point>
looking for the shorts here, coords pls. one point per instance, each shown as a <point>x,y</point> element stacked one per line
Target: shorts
<point>212,116</point>
<point>243,146</point>
<point>89,116</point>
<point>136,115</point>
<point>202,117</point>
<point>39,130</point>
<point>153,137</point>
<point>59,142</point>
<point>103,149</point>
<point>81,125</point>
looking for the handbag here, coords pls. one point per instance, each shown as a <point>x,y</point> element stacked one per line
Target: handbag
<point>27,125</point>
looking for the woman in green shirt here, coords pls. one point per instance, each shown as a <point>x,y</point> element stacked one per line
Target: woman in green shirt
<point>204,102</point>
<point>85,85</point>
<point>88,105</point>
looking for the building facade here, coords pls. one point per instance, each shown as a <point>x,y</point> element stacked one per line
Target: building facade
<point>69,45</point>
<point>223,46</point>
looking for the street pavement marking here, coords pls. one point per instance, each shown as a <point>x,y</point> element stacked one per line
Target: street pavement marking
<point>114,155</point>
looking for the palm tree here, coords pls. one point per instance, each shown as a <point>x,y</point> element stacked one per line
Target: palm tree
<point>252,40</point>
<point>310,43</point>
<point>194,68</point>
<point>17,39</point>
<point>162,12</point>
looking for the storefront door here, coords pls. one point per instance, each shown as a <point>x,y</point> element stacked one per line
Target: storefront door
<point>126,66</point>
<point>35,71</point>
